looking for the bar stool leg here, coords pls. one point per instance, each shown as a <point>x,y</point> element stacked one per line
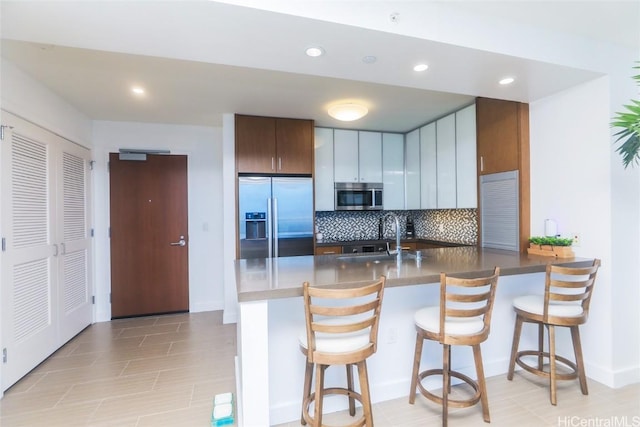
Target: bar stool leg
<point>517,330</point>
<point>317,411</point>
<point>416,366</point>
<point>540,346</point>
<point>306,391</point>
<point>352,401</point>
<point>552,362</point>
<point>577,349</point>
<point>446,381</point>
<point>482,385</point>
<point>364,391</point>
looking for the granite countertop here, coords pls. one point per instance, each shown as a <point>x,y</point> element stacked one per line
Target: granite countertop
<point>271,278</point>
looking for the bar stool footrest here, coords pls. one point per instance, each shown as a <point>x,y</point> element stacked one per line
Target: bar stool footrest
<point>455,403</point>
<point>541,372</point>
<point>333,390</point>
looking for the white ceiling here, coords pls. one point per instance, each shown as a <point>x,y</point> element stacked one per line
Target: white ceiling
<point>200,59</point>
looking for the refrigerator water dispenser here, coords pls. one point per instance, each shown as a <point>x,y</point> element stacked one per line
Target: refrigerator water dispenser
<point>256,225</point>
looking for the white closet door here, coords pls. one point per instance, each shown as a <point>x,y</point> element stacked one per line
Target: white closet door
<point>74,291</point>
<point>34,266</point>
<point>28,261</point>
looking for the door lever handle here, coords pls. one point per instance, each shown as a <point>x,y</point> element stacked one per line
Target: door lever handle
<point>180,242</point>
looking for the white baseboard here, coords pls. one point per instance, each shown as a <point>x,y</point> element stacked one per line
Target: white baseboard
<point>206,306</point>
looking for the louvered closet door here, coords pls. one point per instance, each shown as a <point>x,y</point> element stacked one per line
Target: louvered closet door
<point>41,272</point>
<point>74,296</point>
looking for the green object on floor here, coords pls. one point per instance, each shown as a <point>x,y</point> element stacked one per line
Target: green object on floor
<point>222,410</point>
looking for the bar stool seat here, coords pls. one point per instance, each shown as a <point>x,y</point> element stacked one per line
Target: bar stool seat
<point>565,303</point>
<point>462,318</point>
<point>341,329</point>
<point>429,319</point>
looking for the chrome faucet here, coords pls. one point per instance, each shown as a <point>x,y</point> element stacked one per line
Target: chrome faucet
<point>398,250</point>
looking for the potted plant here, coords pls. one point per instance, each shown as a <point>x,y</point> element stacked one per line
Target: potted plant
<point>629,123</point>
<point>551,246</point>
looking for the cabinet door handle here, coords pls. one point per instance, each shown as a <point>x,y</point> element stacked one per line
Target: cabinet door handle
<point>279,163</point>
<point>481,164</point>
<point>273,160</point>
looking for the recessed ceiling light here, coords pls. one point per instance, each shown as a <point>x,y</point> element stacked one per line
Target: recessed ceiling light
<point>507,81</point>
<point>137,90</point>
<point>348,111</point>
<point>369,59</point>
<point>420,67</point>
<point>314,51</point>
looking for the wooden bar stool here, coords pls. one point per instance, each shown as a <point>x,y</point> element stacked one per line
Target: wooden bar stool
<point>567,294</point>
<point>341,329</point>
<point>462,318</point>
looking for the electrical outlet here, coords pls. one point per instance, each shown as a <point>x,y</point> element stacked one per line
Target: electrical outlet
<point>392,336</point>
<point>576,239</point>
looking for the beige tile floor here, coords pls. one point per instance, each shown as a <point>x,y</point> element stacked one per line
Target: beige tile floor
<point>165,370</point>
<point>148,371</point>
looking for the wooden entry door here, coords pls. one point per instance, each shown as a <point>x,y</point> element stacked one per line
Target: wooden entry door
<point>149,241</point>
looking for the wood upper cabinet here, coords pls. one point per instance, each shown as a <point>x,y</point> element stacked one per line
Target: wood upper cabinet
<point>502,135</point>
<point>503,145</point>
<point>294,146</point>
<point>273,145</point>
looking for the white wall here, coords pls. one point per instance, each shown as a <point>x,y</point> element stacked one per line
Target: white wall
<point>570,182</point>
<point>29,99</point>
<point>625,233</point>
<point>203,146</point>
<point>230,219</point>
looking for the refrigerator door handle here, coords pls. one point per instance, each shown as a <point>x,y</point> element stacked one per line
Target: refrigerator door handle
<point>276,237</point>
<point>270,227</point>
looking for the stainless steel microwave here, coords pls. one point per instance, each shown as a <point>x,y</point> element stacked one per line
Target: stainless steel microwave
<point>357,196</point>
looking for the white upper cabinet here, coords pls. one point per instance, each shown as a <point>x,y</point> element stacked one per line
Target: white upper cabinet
<point>393,171</point>
<point>446,154</point>
<point>357,156</point>
<point>466,158</point>
<point>345,155</point>
<point>323,176</point>
<point>433,167</point>
<point>412,170</point>
<point>370,156</point>
<point>428,170</point>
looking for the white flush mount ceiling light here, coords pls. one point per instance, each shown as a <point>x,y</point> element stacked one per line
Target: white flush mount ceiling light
<point>137,90</point>
<point>369,59</point>
<point>348,111</point>
<point>506,81</point>
<point>314,51</point>
<point>420,67</point>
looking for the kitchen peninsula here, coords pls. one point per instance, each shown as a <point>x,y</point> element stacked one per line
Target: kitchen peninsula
<point>271,318</point>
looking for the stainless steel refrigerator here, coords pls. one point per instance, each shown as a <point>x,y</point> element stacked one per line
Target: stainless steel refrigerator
<point>275,216</point>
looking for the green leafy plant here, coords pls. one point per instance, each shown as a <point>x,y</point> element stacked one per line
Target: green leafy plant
<point>629,123</point>
<point>550,240</point>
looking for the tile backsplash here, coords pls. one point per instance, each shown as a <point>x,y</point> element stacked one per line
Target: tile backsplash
<point>445,225</point>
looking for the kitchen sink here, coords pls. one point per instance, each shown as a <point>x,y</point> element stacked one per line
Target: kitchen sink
<point>375,257</point>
